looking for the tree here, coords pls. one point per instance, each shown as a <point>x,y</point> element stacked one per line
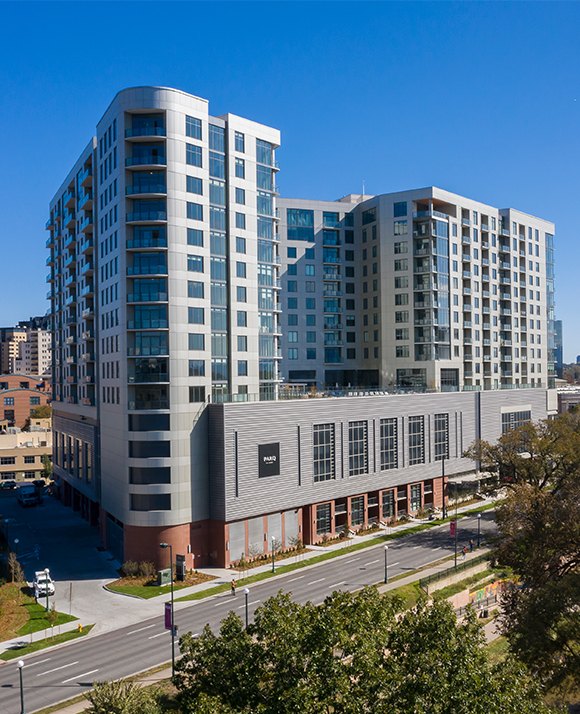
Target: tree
<point>44,411</point>
<point>122,697</point>
<point>357,652</point>
<point>15,569</point>
<point>539,537</point>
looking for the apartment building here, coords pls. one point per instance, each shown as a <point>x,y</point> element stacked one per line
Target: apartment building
<point>10,341</point>
<point>416,290</point>
<point>24,454</point>
<point>169,420</point>
<point>21,395</point>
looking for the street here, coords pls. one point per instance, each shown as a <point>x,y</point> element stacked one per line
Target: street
<point>58,674</point>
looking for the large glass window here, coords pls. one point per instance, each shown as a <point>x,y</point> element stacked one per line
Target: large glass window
<point>388,504</point>
<point>357,510</point>
<point>193,128</point>
<point>194,185</point>
<point>415,497</point>
<point>193,155</point>
<point>400,209</point>
<point>264,152</point>
<point>323,519</point>
<point>323,452</point>
<point>389,454</point>
<point>416,440</point>
<point>300,224</point>
<point>357,448</point>
<point>441,437</point>
<point>513,420</point>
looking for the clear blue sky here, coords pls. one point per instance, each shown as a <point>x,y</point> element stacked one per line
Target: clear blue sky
<point>482,99</point>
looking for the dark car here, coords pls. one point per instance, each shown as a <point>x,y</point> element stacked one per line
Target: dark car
<point>8,485</point>
<point>39,484</point>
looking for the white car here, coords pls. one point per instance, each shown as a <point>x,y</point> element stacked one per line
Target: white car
<point>43,584</point>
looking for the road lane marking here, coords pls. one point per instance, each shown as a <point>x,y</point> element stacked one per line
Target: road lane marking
<point>415,547</point>
<point>140,629</point>
<point>165,632</point>
<point>64,666</point>
<point>33,664</point>
<point>317,581</point>
<point>438,547</point>
<point>343,582</point>
<point>392,565</point>
<point>78,676</point>
<point>298,578</point>
<point>372,562</point>
<point>255,602</point>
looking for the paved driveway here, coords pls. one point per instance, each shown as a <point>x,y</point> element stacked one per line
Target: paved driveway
<point>55,537</point>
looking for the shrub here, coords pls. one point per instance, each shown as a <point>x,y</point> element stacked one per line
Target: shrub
<point>147,569</point>
<point>130,569</point>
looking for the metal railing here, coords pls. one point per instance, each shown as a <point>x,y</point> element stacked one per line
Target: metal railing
<point>466,565</point>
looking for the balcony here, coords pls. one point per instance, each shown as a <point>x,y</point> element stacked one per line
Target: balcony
<point>147,297</point>
<point>85,177</point>
<point>88,314</point>
<point>49,261</point>
<point>143,132</point>
<point>49,224</point>
<point>148,377</point>
<point>145,160</point>
<point>485,227</point>
<point>49,242</point>
<point>465,222</point>
<point>86,224</point>
<point>466,240</point>
<point>146,216</point>
<point>153,189</point>
<point>87,269</point>
<point>504,232</point>
<point>140,243</point>
<point>88,356</point>
<point>145,404</point>
<point>147,269</point>
<point>161,324</point>
<point>88,290</point>
<point>69,198</point>
<point>467,274</point>
<point>88,401</point>
<point>87,245</point>
<point>88,335</point>
<point>86,200</point>
<point>430,214</point>
<point>70,241</point>
<point>69,261</point>
<point>153,351</point>
<point>69,220</point>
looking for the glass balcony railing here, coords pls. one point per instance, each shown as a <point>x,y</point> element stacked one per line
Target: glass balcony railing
<point>143,404</point>
<point>137,131</point>
<point>137,189</point>
<point>147,269</point>
<point>160,324</point>
<point>145,216</point>
<point>147,242</point>
<point>146,160</point>
<point>147,297</point>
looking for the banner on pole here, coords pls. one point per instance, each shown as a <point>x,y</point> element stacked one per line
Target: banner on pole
<point>452,527</point>
<point>168,618</point>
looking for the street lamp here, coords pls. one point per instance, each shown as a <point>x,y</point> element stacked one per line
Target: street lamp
<point>443,486</point>
<point>246,595</point>
<point>478,529</point>
<point>46,574</point>
<point>273,554</point>
<point>20,665</point>
<point>386,564</point>
<point>167,545</point>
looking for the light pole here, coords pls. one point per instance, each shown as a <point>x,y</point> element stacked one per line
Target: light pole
<point>46,574</point>
<point>246,595</point>
<point>20,666</point>
<point>478,529</point>
<point>443,486</point>
<point>273,555</point>
<point>386,564</point>
<point>455,558</point>
<point>167,545</point>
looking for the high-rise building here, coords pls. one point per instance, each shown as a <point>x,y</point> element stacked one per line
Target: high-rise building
<point>164,275</point>
<point>168,416</point>
<point>10,340</point>
<point>417,290</point>
<point>559,348</point>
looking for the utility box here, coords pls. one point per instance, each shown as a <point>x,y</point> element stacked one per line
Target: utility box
<point>180,567</point>
<point>164,576</point>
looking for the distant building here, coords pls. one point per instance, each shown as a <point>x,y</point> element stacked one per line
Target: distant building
<point>10,339</point>
<point>26,348</point>
<point>24,453</point>
<point>21,394</point>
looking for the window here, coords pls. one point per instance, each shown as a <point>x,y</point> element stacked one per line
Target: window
<point>402,351</point>
<point>150,502</point>
<point>241,294</point>
<point>513,420</point>
<point>323,452</point>
<point>401,299</point>
<point>240,142</point>
<point>400,209</point>
<point>310,353</point>
<point>241,220</point>
<point>240,269</point>
<point>195,315</point>
<point>388,504</point>
<point>369,216</point>
<point>401,228</point>
<point>291,253</point>
<point>401,264</point>
<point>292,336</point>
<point>34,401</point>
<point>330,220</point>
<point>402,333</point>
<point>357,510</point>
<point>293,353</point>
<point>441,437</point>
<point>300,224</point>
<point>416,440</point>
<point>195,237</point>
<point>323,518</point>
<point>242,343</point>
<point>242,368</point>
<point>357,447</point>
<point>310,320</point>
<point>7,460</point>
<point>196,394</point>
<point>240,168</point>
<point>193,155</point>
<point>389,454</point>
<point>240,196</point>
<point>196,341</point>
<point>401,282</point>
<point>195,211</point>
<point>195,263</point>
<point>194,185</point>
<point>8,401</point>
<point>195,289</point>
<point>242,318</point>
<point>402,316</point>
<point>196,368</point>
<point>292,286</point>
<point>415,503</point>
<point>193,128</point>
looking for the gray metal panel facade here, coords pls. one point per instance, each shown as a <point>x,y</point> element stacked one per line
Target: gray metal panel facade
<point>249,425</point>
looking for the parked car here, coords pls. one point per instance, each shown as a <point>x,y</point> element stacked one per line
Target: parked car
<point>8,485</point>
<point>43,583</point>
<point>28,495</point>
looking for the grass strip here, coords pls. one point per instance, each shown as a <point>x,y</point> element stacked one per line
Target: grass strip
<point>43,644</point>
<point>39,619</point>
<point>289,568</point>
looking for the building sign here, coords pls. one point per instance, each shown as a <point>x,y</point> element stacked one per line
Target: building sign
<point>269,460</point>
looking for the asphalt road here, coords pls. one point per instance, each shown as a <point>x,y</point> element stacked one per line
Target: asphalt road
<point>54,675</point>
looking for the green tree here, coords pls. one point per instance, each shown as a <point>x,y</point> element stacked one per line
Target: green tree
<point>44,411</point>
<point>539,537</point>
<point>122,697</point>
<point>354,653</point>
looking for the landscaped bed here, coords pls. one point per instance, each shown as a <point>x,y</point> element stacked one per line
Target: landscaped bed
<point>18,652</point>
<point>144,587</point>
<point>21,615</point>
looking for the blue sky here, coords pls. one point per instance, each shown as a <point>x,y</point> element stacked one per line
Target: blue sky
<point>478,98</point>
